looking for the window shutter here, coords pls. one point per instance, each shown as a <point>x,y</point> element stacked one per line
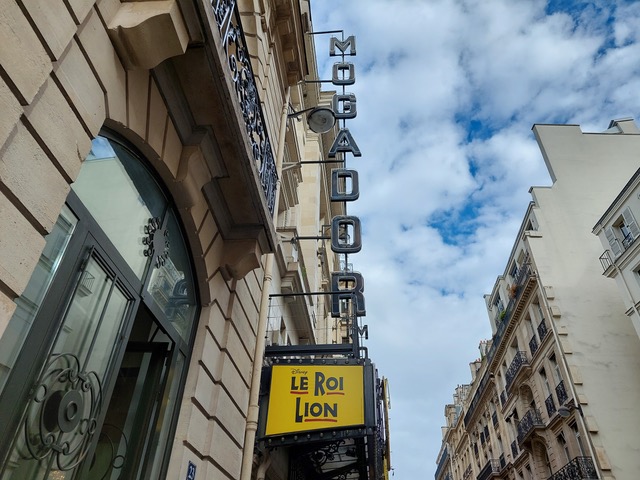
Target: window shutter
<point>613,241</point>
<point>630,222</point>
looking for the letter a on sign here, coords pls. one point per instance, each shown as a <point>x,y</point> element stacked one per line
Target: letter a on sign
<point>344,142</point>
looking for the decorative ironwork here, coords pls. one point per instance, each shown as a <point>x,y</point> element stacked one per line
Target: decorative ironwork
<point>467,473</point>
<point>336,460</point>
<point>533,345</point>
<point>156,241</point>
<point>491,467</point>
<point>551,405</point>
<point>580,468</point>
<point>62,416</point>
<point>519,360</point>
<point>542,330</point>
<point>108,458</point>
<point>530,420</point>
<point>561,393</point>
<point>514,449</point>
<point>627,241</point>
<point>444,458</point>
<point>605,260</point>
<point>230,28</point>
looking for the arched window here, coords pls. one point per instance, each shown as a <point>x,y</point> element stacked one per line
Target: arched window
<point>94,358</point>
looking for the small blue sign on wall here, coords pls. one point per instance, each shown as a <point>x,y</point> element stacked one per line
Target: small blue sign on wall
<point>191,471</point>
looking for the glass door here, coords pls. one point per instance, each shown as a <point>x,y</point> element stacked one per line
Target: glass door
<point>64,410</point>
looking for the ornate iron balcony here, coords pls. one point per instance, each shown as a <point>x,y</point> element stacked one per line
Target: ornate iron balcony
<point>443,460</point>
<point>239,63</point>
<point>518,362</point>
<point>551,405</point>
<point>514,450</point>
<point>492,467</point>
<point>542,330</point>
<point>580,468</point>
<point>561,393</point>
<point>533,345</point>
<point>529,422</point>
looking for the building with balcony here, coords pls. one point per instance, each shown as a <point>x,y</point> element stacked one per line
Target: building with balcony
<point>618,231</point>
<point>553,393</point>
<point>151,197</point>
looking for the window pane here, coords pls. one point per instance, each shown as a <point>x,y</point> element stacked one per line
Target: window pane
<point>29,303</point>
<point>121,196</point>
<point>171,285</point>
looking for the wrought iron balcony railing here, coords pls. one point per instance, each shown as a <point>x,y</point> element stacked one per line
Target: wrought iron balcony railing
<point>467,473</point>
<point>551,405</point>
<point>239,63</point>
<point>529,422</point>
<point>533,345</point>
<point>517,363</point>
<point>580,468</point>
<point>542,330</point>
<point>606,260</point>
<point>444,458</point>
<point>492,467</point>
<point>561,393</point>
<point>627,241</point>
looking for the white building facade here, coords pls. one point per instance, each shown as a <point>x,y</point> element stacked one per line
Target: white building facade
<point>554,393</point>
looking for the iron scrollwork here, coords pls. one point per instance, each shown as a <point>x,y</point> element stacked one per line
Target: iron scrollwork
<point>62,416</point>
<point>230,28</point>
<point>156,241</point>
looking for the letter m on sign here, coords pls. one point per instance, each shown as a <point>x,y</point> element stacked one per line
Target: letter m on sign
<point>342,45</point>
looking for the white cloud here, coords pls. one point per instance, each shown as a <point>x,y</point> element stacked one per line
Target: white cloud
<point>441,204</point>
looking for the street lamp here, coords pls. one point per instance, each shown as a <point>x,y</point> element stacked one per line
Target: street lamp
<point>320,119</point>
<point>565,410</point>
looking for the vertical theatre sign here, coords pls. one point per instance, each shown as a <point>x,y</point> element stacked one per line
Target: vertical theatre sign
<point>346,234</point>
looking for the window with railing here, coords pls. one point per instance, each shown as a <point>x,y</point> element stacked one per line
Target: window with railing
<point>542,330</point>
<point>529,422</point>
<point>519,360</point>
<point>551,405</point>
<point>580,468</point>
<point>561,393</point>
<point>514,449</point>
<point>492,466</point>
<point>533,345</point>
<point>622,233</point>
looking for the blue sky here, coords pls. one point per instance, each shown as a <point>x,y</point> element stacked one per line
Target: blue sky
<point>447,92</point>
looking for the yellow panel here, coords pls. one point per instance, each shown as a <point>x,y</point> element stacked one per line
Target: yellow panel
<point>315,397</point>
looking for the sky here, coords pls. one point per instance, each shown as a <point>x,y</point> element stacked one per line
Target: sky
<point>447,92</point>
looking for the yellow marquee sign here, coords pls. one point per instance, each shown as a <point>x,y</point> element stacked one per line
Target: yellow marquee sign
<point>315,397</point>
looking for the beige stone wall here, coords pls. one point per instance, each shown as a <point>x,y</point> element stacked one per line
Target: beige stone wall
<point>62,82</point>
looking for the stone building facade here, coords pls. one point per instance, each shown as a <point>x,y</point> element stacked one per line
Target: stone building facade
<point>554,393</point>
<point>150,189</point>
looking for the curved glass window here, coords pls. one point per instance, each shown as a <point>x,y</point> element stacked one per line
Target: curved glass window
<point>132,210</point>
<point>93,361</point>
